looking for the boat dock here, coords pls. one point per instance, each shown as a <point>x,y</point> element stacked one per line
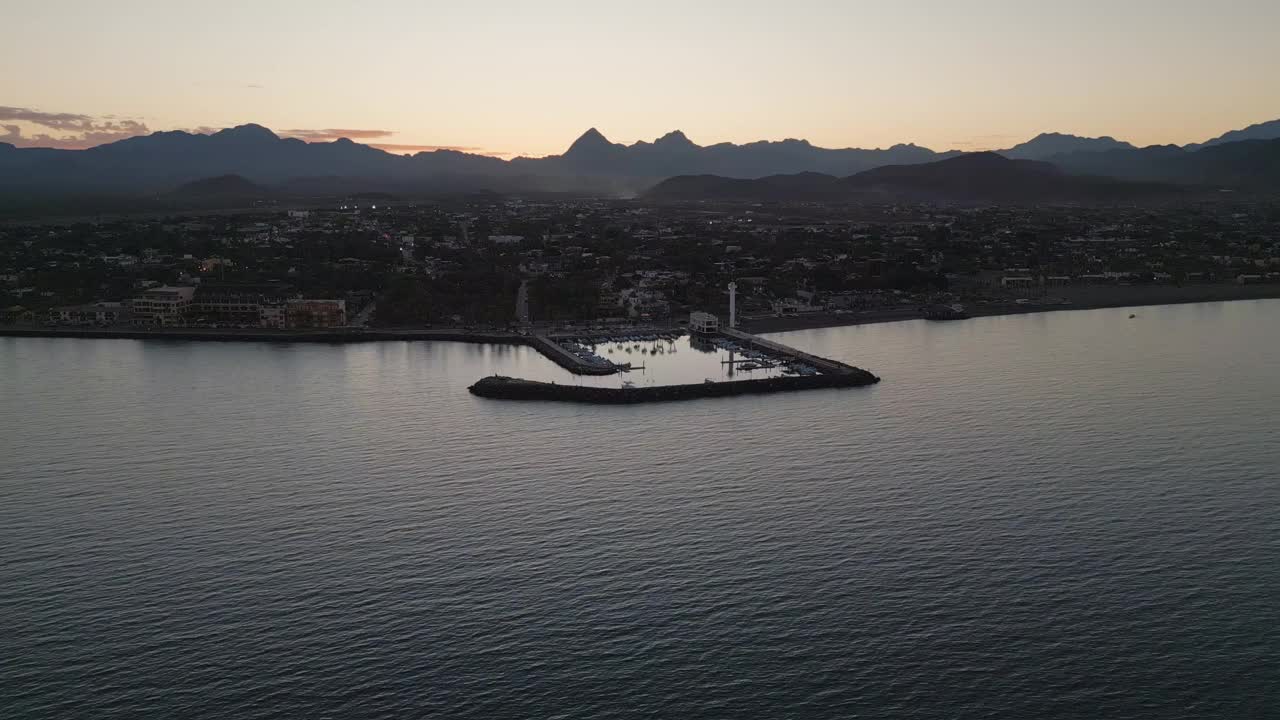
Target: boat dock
<point>788,353</point>
<point>577,364</point>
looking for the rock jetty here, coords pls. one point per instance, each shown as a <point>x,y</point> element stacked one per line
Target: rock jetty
<point>506,388</point>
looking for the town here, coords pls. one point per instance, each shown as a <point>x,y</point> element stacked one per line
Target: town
<point>489,262</point>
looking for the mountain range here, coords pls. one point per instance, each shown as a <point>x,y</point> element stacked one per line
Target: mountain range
<point>984,177</point>
<point>1237,164</point>
<point>163,161</point>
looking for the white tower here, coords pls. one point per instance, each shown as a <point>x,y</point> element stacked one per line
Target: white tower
<point>733,304</point>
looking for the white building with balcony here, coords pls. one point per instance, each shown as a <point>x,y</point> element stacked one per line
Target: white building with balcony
<point>704,323</point>
<point>163,305</point>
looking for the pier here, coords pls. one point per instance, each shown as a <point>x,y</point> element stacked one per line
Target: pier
<point>821,372</point>
<point>557,353</point>
<point>806,372</point>
<point>825,365</point>
<point>506,388</point>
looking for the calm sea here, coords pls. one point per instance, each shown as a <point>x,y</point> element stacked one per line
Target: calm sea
<point>1067,515</point>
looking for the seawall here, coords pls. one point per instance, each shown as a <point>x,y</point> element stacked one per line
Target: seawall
<point>567,360</point>
<point>516,389</point>
<point>824,364</point>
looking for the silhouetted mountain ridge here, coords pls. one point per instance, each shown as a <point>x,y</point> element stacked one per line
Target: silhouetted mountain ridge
<point>1258,131</point>
<point>222,186</point>
<point>1046,145</point>
<point>1243,164</point>
<point>974,178</point>
<point>163,161</point>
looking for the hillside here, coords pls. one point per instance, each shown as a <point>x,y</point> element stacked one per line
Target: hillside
<point>223,186</point>
<point>775,188</point>
<point>967,179</point>
<point>1258,131</point>
<point>1244,164</point>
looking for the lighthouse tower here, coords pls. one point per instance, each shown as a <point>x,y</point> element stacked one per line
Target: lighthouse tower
<point>733,304</point>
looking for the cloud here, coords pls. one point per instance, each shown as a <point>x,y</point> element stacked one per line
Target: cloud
<point>331,134</point>
<point>229,85</point>
<point>983,142</point>
<point>409,149</point>
<point>71,131</point>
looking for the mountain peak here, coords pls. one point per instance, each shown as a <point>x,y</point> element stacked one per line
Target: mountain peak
<point>675,138</point>
<point>1047,136</point>
<point>591,143</point>
<point>592,137</point>
<point>250,131</point>
<point>1048,144</point>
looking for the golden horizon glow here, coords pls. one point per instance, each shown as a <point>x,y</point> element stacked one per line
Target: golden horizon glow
<point>528,78</point>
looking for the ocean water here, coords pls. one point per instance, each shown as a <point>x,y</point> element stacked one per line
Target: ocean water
<point>1065,515</point>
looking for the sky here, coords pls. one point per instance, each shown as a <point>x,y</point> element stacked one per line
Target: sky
<point>527,77</point>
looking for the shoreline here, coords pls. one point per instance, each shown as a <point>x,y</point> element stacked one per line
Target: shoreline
<point>1109,298</point>
<point>1089,299</point>
<point>333,337</point>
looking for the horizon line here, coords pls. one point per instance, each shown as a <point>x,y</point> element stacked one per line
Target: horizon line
<point>312,137</point>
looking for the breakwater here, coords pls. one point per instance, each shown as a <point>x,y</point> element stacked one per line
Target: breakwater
<point>826,365</point>
<point>516,389</point>
<point>556,353</point>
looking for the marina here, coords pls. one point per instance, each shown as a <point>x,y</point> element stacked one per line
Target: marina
<point>711,361</point>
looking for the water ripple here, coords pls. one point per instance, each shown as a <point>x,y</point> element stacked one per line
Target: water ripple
<point>1062,516</point>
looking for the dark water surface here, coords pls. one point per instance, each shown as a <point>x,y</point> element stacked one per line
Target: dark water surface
<point>1069,515</point>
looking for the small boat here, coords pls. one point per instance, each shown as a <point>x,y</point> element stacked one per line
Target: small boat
<point>946,312</point>
<point>1132,316</point>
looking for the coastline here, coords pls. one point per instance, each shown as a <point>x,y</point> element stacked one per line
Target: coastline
<point>1079,299</point>
<point>337,336</point>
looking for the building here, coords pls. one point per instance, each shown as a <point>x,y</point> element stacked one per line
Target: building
<point>236,304</point>
<point>304,313</point>
<point>704,323</point>
<point>792,306</point>
<point>273,316</point>
<point>163,305</point>
<point>1017,281</point>
<point>16,314</point>
<point>103,313</point>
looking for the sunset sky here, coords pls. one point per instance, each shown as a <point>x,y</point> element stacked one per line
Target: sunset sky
<point>528,77</point>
